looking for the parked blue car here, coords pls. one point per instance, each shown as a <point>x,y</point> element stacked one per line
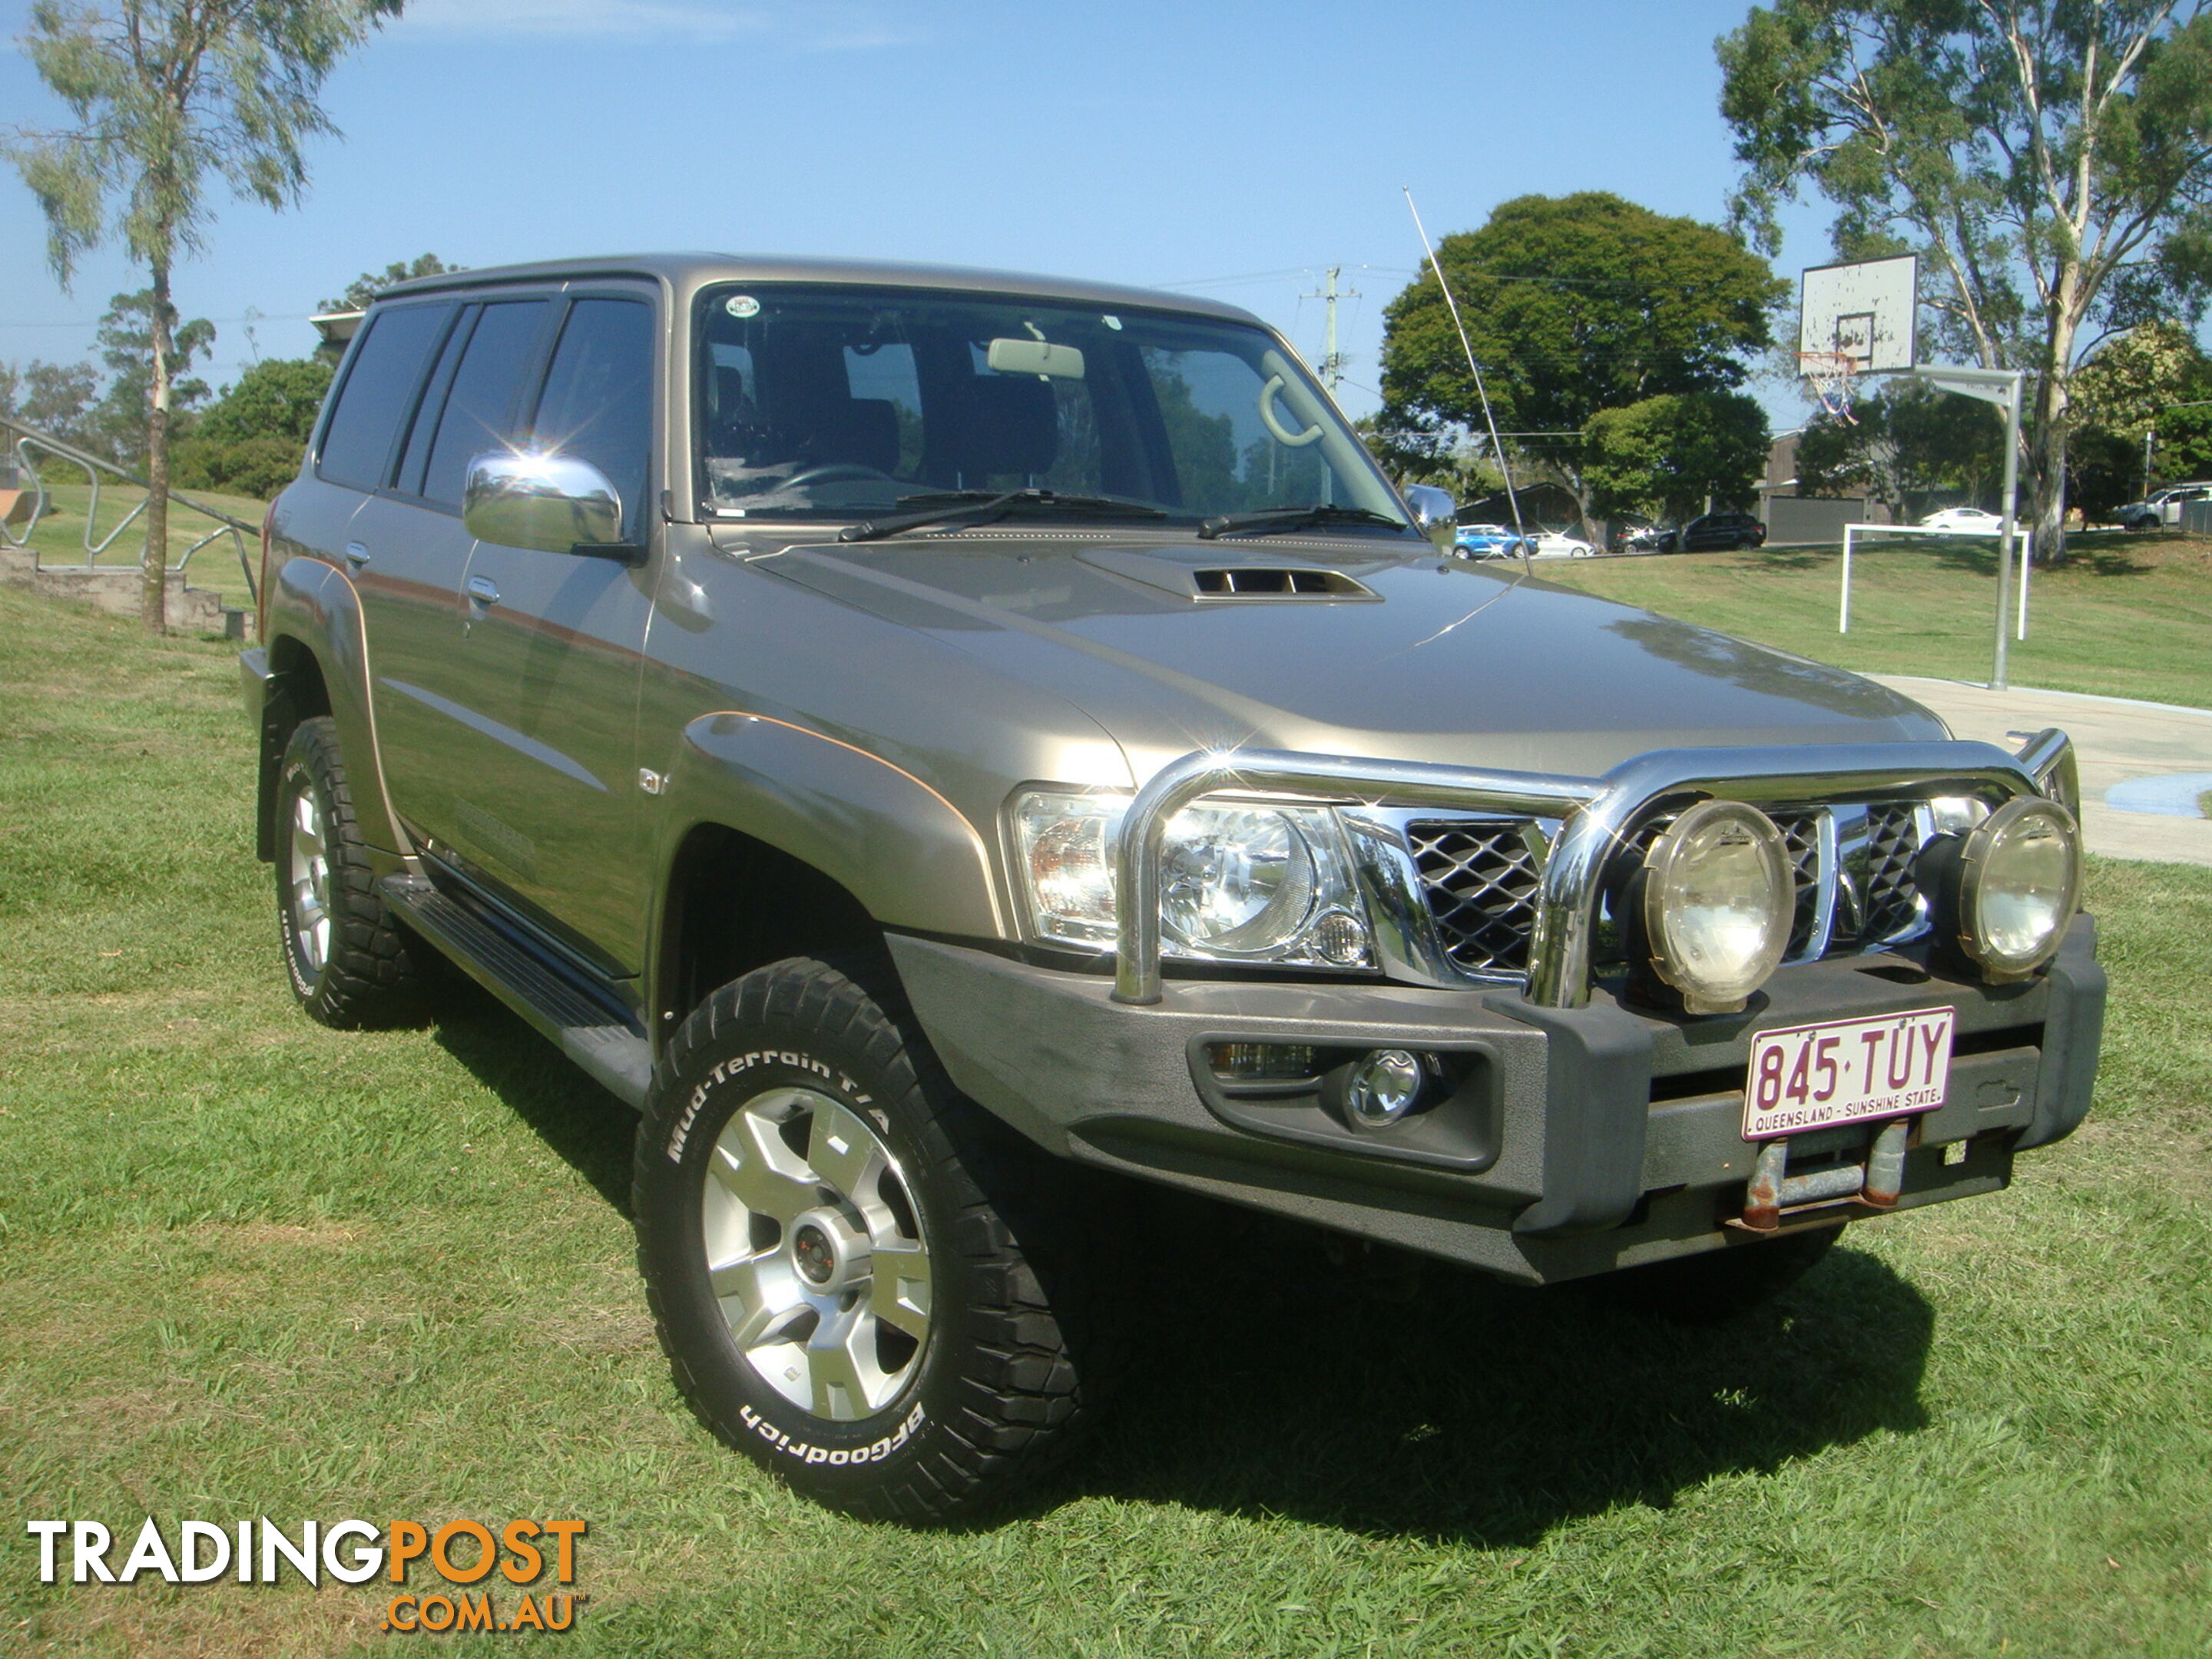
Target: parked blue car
<point>1490,541</point>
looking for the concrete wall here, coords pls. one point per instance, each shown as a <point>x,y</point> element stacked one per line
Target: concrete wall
<point>114,589</point>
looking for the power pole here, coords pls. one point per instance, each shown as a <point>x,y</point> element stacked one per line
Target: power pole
<point>1331,367</point>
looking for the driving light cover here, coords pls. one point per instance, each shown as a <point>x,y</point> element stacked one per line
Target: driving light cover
<point>2020,880</point>
<point>1239,881</point>
<point>1717,902</point>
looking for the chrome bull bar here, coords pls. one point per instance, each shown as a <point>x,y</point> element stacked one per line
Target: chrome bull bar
<point>1595,812</point>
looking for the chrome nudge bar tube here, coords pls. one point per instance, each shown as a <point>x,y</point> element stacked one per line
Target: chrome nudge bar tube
<point>1595,812</point>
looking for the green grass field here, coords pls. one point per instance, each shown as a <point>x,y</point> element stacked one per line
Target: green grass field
<point>2127,617</point>
<point>250,1267</point>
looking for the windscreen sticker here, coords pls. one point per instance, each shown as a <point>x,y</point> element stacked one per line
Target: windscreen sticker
<point>742,305</point>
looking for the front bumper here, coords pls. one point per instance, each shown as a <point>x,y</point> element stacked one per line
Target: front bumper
<point>1575,1140</point>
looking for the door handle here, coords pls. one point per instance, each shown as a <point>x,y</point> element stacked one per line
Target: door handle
<point>356,554</point>
<point>484,590</point>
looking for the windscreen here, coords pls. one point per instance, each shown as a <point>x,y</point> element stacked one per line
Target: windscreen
<point>842,402</point>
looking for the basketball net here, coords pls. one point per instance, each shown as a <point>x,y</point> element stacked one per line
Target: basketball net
<point>1830,375</point>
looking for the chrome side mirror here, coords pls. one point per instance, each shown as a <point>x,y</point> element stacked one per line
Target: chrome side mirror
<point>1436,514</point>
<point>549,503</point>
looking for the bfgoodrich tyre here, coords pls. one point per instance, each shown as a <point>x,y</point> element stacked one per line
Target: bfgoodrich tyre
<point>346,957</point>
<point>861,1279</point>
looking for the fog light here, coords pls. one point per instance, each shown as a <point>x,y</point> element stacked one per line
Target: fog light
<point>1384,1087</point>
<point>1261,1062</point>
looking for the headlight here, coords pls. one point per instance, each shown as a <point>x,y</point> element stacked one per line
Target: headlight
<point>1717,902</point>
<point>1244,882</point>
<point>2019,879</point>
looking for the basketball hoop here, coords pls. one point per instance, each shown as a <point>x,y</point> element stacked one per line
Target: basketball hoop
<point>1830,374</point>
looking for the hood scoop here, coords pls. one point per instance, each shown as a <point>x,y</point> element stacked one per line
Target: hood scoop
<point>1237,583</point>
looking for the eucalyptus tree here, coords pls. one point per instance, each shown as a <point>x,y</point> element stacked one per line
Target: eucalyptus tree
<point>170,98</point>
<point>2051,161</point>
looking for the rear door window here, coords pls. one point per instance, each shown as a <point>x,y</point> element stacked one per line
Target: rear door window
<point>597,404</point>
<point>378,390</point>
<point>479,412</point>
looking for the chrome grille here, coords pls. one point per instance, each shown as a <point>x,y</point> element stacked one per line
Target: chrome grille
<point>1480,878</point>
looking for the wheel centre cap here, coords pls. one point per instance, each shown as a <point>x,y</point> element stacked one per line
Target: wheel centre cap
<point>828,1252</point>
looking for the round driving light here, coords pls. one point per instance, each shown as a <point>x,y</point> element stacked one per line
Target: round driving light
<point>1236,878</point>
<point>1384,1087</point>
<point>2020,879</point>
<point>1717,904</point>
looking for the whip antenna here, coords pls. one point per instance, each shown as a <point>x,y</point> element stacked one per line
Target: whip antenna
<point>1489,417</point>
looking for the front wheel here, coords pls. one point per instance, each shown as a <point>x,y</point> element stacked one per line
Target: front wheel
<point>861,1279</point>
<point>347,959</point>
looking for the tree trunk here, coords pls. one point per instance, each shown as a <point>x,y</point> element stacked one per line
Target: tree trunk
<point>2049,430</point>
<point>154,569</point>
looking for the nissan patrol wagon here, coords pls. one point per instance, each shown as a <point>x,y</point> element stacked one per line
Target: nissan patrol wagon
<point>944,746</point>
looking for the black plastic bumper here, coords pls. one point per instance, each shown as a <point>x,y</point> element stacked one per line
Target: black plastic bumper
<point>1572,1141</point>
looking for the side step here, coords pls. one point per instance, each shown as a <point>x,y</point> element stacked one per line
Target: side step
<point>612,1053</point>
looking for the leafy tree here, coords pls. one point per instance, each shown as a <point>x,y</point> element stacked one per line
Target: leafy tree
<point>169,96</point>
<point>2050,160</point>
<point>1911,443</point>
<point>1667,456</point>
<point>126,333</point>
<point>2131,379</point>
<point>252,438</point>
<point>1573,304</point>
<point>2185,443</point>
<point>366,287</point>
<point>55,398</point>
<point>278,398</point>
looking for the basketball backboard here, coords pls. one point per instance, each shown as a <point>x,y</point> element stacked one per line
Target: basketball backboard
<point>1864,310</point>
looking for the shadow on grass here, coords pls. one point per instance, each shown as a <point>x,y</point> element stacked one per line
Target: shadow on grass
<point>587,1127</point>
<point>1484,1414</point>
<point>1269,1382</point>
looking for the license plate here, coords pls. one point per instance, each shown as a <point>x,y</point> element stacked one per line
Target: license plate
<point>1846,1071</point>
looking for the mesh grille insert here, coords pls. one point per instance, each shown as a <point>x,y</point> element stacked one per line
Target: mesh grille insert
<point>1480,880</point>
<point>1893,899</point>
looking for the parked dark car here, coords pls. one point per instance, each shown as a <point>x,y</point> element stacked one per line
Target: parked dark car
<point>1719,530</point>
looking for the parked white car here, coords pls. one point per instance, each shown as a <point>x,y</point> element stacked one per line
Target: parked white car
<point>1557,544</point>
<point>1964,517</point>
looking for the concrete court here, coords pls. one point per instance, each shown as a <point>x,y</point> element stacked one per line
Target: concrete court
<point>2114,738</point>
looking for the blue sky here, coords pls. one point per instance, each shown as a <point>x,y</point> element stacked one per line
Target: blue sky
<point>1237,148</point>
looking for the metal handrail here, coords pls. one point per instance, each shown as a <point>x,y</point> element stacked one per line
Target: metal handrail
<point>28,437</point>
<point>1594,813</point>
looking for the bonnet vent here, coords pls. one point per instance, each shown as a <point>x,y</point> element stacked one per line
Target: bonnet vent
<point>1254,582</point>
<point>1243,584</point>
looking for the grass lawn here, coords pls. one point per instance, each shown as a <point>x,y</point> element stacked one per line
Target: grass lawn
<point>60,536</point>
<point>2127,616</point>
<point>250,1267</point>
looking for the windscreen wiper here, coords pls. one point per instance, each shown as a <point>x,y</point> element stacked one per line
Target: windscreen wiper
<point>1294,517</point>
<point>971,506</point>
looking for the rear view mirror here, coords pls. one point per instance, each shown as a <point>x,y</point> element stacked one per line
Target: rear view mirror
<point>1035,357</point>
<point>549,503</point>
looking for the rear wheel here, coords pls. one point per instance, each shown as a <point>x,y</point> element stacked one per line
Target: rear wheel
<point>347,959</point>
<point>861,1279</point>
<point>1718,1285</point>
